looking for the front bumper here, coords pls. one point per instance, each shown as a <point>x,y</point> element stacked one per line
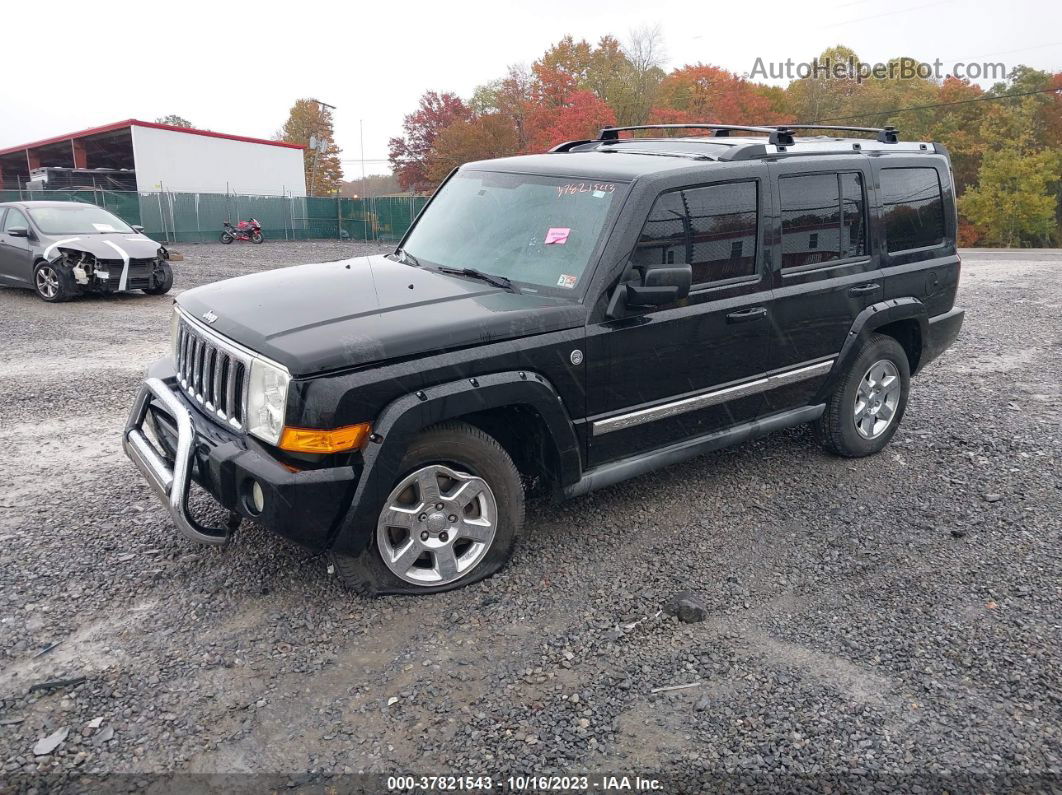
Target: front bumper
<point>173,445</point>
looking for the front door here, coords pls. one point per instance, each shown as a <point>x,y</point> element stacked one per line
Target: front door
<point>16,254</point>
<point>663,375</point>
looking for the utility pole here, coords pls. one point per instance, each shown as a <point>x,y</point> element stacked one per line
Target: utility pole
<point>318,146</point>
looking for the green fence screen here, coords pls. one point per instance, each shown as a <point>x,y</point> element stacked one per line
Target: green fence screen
<point>199,217</point>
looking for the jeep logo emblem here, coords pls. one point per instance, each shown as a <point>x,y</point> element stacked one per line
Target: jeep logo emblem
<point>210,316</point>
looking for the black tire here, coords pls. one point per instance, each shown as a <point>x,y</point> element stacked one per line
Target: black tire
<point>463,448</point>
<point>836,428</point>
<point>163,280</point>
<point>226,238</point>
<point>257,237</point>
<point>52,283</point>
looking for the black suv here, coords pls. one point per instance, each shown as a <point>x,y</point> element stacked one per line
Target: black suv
<point>556,322</point>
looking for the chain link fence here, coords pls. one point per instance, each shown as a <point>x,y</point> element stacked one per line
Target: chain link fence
<point>199,217</point>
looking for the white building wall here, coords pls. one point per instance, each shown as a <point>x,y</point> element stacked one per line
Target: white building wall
<point>186,162</point>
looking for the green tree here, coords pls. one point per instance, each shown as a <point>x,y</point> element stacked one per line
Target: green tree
<point>818,98</point>
<point>1012,204</point>
<point>309,118</point>
<point>173,120</point>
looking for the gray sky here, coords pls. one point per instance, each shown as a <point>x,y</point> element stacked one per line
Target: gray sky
<point>237,68</point>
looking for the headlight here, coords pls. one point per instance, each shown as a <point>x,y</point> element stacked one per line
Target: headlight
<point>267,398</point>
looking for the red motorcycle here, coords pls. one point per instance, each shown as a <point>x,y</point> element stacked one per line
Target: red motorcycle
<point>244,230</point>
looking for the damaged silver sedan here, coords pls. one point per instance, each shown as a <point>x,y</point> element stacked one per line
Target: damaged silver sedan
<point>63,249</point>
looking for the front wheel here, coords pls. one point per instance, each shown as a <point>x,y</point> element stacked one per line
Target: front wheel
<point>452,517</point>
<point>53,284</point>
<point>864,412</point>
<point>226,238</point>
<point>257,237</point>
<point>163,280</point>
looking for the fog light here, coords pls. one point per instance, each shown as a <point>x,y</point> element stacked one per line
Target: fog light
<point>257,497</point>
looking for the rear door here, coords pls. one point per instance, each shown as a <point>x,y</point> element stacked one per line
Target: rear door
<point>16,253</point>
<point>659,376</point>
<point>825,272</point>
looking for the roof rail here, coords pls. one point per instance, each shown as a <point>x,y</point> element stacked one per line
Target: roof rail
<point>885,135</point>
<point>777,134</point>
<point>567,146</point>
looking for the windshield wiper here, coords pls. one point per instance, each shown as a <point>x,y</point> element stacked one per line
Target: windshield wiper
<point>489,278</point>
<point>406,258</point>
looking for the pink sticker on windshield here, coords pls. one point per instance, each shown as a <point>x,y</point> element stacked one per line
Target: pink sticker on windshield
<point>557,235</point>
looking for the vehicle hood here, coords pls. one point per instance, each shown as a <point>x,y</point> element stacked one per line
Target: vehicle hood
<point>110,246</point>
<point>333,315</point>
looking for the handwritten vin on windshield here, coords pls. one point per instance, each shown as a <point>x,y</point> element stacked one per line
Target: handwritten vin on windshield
<point>598,189</point>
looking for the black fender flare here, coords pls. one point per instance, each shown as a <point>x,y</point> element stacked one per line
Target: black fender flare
<point>866,323</point>
<point>405,417</point>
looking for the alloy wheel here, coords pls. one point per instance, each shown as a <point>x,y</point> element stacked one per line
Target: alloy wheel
<point>877,399</point>
<point>47,281</point>
<point>436,526</point>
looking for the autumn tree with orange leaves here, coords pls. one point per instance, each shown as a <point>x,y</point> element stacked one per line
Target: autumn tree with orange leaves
<point>575,88</point>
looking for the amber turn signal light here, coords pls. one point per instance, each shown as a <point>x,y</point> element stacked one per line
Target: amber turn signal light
<point>339,440</point>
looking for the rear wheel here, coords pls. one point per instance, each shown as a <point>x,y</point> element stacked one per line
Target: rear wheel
<point>451,519</point>
<point>226,238</point>
<point>865,410</point>
<point>52,283</point>
<point>163,280</point>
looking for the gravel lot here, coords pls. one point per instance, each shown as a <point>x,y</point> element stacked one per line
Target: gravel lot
<point>893,619</point>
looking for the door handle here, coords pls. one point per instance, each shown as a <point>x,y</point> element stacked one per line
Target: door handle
<point>864,289</point>
<point>745,315</point>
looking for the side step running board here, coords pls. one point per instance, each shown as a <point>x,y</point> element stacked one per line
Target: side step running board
<point>609,474</point>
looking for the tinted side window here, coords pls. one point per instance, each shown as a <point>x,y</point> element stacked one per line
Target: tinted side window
<point>663,238</point>
<point>914,208</point>
<point>853,216</point>
<point>713,228</point>
<point>823,218</point>
<point>14,219</point>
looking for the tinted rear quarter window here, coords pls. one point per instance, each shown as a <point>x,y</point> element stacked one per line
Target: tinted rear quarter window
<point>914,208</point>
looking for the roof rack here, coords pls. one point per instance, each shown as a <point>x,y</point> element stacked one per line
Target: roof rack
<point>885,135</point>
<point>777,134</point>
<point>780,135</point>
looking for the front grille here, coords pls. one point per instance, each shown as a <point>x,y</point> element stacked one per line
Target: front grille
<point>212,372</point>
<point>138,268</point>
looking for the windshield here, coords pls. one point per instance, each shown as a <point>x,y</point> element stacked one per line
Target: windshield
<point>77,219</point>
<point>539,232</point>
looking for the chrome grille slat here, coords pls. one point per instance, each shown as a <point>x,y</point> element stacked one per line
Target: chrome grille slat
<point>182,363</point>
<point>196,347</point>
<point>212,371</point>
<point>215,391</point>
<point>230,388</point>
<point>208,376</point>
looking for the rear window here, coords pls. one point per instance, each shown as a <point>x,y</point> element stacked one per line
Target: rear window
<point>914,208</point>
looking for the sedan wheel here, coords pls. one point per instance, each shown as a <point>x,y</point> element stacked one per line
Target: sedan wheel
<point>47,282</point>
<point>436,526</point>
